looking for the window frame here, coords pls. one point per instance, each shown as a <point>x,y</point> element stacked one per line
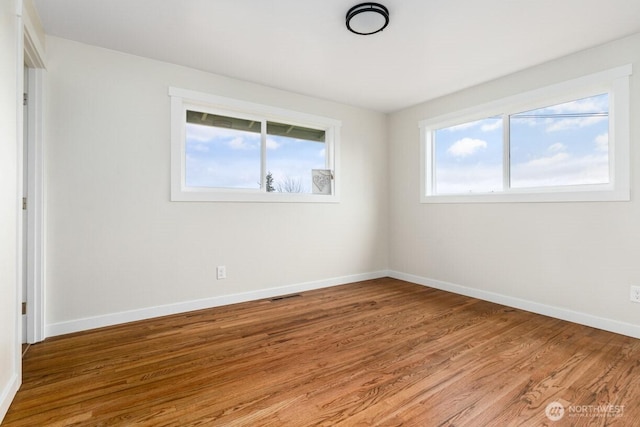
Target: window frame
<point>183,100</point>
<point>615,82</point>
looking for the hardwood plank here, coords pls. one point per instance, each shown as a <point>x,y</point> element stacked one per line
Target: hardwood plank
<point>381,352</point>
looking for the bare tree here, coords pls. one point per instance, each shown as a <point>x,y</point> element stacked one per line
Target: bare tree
<point>289,185</point>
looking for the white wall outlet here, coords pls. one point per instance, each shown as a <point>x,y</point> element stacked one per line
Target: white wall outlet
<point>635,293</point>
<point>221,272</point>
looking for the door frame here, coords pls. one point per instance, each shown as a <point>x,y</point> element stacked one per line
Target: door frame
<point>34,140</point>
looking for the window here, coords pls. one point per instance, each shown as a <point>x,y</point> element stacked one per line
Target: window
<point>230,150</point>
<point>568,142</point>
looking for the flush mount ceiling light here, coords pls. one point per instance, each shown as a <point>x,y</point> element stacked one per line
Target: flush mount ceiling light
<point>367,18</point>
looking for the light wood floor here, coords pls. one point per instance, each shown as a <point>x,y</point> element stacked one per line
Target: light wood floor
<point>382,352</point>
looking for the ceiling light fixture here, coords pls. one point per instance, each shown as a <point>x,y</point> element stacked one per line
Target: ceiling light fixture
<point>367,18</point>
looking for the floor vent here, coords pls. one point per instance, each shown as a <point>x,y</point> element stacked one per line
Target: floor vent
<point>285,297</point>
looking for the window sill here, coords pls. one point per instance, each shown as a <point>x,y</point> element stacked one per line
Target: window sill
<point>534,196</point>
<point>251,197</point>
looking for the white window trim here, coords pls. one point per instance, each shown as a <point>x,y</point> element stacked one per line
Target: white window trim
<point>614,81</point>
<point>183,99</point>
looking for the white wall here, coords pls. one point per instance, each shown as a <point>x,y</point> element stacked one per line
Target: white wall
<point>572,260</point>
<point>115,243</point>
<point>9,338</point>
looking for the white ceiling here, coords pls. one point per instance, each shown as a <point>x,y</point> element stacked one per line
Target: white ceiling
<point>430,48</point>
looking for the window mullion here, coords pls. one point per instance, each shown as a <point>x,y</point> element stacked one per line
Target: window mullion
<point>263,155</point>
<point>328,150</point>
<point>506,157</point>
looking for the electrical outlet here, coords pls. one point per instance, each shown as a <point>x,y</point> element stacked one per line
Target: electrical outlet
<point>221,272</point>
<point>635,293</point>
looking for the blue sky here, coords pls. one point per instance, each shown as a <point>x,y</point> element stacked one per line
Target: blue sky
<point>564,144</point>
<point>227,158</point>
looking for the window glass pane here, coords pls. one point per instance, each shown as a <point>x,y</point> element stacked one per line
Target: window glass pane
<point>222,152</point>
<point>468,157</point>
<point>564,144</point>
<point>292,152</point>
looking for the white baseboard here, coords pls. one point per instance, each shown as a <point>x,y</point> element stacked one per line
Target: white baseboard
<point>87,323</point>
<point>84,324</point>
<point>534,307</point>
<point>8,393</point>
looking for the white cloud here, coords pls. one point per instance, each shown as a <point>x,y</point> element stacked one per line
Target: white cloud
<point>561,169</point>
<point>463,179</point>
<point>239,143</point>
<point>558,146</point>
<point>587,105</point>
<point>488,127</point>
<point>556,170</point>
<point>199,133</point>
<point>201,148</point>
<point>462,126</point>
<point>581,106</point>
<point>466,147</point>
<point>546,161</point>
<point>572,123</point>
<point>272,144</point>
<point>207,173</point>
<point>577,114</point>
<point>602,142</point>
<point>554,125</point>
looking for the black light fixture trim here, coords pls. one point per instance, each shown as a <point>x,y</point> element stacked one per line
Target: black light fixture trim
<point>367,7</point>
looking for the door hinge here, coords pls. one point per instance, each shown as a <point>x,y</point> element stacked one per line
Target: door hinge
<point>25,98</point>
<point>24,203</point>
<point>24,308</point>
